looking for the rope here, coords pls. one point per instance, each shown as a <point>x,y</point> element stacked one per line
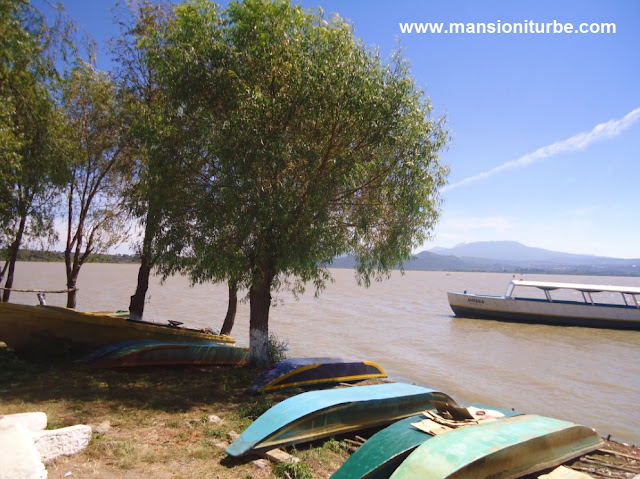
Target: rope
<point>39,290</point>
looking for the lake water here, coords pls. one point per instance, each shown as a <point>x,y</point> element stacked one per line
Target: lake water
<point>589,376</point>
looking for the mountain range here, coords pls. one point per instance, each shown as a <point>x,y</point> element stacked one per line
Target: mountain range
<point>511,256</point>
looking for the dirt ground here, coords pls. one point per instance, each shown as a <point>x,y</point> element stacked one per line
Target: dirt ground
<point>177,422</point>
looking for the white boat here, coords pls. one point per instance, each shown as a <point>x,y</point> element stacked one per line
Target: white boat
<point>619,310</point>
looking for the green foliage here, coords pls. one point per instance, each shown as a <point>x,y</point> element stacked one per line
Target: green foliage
<point>277,349</point>
<point>255,408</point>
<point>294,470</point>
<point>32,132</point>
<point>297,143</point>
<point>332,445</point>
<point>99,168</point>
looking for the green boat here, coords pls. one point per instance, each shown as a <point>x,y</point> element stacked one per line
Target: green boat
<point>317,414</point>
<point>508,448</point>
<point>383,452</point>
<point>164,353</point>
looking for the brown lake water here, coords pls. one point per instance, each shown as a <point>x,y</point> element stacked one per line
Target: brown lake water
<point>589,376</point>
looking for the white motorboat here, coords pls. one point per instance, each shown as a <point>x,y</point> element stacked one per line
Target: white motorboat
<point>600,306</point>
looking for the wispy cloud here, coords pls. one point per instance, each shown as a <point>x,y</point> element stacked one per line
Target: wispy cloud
<point>603,131</point>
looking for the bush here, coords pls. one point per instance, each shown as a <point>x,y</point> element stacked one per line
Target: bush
<point>295,470</point>
<point>277,349</point>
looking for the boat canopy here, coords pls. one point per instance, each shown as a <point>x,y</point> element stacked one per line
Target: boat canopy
<point>585,288</point>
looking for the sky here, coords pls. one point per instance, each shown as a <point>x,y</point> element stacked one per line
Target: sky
<point>545,124</point>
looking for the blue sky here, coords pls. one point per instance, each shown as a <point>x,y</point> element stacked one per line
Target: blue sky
<point>545,127</point>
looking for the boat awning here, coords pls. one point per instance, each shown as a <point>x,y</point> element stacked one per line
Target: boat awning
<point>585,288</point>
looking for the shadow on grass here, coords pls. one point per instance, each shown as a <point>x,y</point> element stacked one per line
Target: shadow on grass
<point>170,389</point>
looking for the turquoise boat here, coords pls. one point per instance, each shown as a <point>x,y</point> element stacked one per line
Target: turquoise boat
<point>383,452</point>
<point>164,353</point>
<point>314,373</point>
<point>504,449</point>
<point>317,414</point>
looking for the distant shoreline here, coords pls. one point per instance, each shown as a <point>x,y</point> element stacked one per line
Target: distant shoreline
<point>58,256</point>
<point>425,261</point>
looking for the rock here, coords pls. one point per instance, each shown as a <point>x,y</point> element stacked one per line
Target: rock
<point>261,463</point>
<point>19,457</point>
<point>61,442</point>
<point>33,421</point>
<point>278,455</point>
<point>213,419</point>
<point>232,436</point>
<point>102,428</point>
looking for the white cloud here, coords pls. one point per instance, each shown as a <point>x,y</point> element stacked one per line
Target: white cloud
<point>603,131</point>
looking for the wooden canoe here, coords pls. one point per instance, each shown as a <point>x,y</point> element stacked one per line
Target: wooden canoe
<point>383,452</point>
<point>314,372</point>
<point>43,329</point>
<point>164,353</point>
<point>509,448</point>
<point>317,414</point>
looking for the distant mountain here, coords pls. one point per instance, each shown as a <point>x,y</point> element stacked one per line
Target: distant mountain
<point>511,256</point>
<point>514,251</point>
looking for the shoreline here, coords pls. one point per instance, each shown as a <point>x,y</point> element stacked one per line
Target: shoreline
<point>162,422</point>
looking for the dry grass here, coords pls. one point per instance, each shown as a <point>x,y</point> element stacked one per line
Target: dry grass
<point>150,422</point>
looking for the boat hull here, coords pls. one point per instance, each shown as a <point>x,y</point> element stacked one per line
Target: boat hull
<point>314,372</point>
<point>504,449</point>
<point>383,452</point>
<point>42,329</point>
<point>318,414</point>
<point>560,313</point>
<point>165,353</point>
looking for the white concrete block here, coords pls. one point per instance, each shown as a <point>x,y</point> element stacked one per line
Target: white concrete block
<point>61,442</point>
<point>19,457</point>
<point>33,421</point>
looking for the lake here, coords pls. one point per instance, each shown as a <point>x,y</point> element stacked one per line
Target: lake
<point>589,376</point>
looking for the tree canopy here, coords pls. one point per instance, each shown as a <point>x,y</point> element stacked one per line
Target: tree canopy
<point>32,166</point>
<point>299,144</point>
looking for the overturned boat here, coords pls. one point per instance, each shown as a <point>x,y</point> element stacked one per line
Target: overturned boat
<point>45,329</point>
<point>165,353</point>
<point>383,452</point>
<point>314,372</point>
<point>318,414</point>
<point>505,449</point>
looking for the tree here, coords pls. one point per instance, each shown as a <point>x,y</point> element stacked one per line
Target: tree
<point>100,169</point>
<point>146,131</point>
<point>32,167</point>
<point>309,147</point>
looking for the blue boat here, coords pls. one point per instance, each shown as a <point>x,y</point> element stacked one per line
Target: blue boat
<point>314,372</point>
<point>318,414</point>
<point>164,353</point>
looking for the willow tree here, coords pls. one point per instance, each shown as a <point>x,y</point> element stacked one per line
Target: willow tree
<point>31,164</point>
<point>99,170</point>
<point>311,147</point>
<point>147,131</point>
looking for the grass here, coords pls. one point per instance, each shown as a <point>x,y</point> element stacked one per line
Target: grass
<point>161,423</point>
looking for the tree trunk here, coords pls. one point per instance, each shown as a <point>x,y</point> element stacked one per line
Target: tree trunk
<point>230,318</point>
<point>11,266</point>
<point>72,269</point>
<point>12,257</point>
<point>260,298</point>
<point>72,293</point>
<point>136,306</point>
